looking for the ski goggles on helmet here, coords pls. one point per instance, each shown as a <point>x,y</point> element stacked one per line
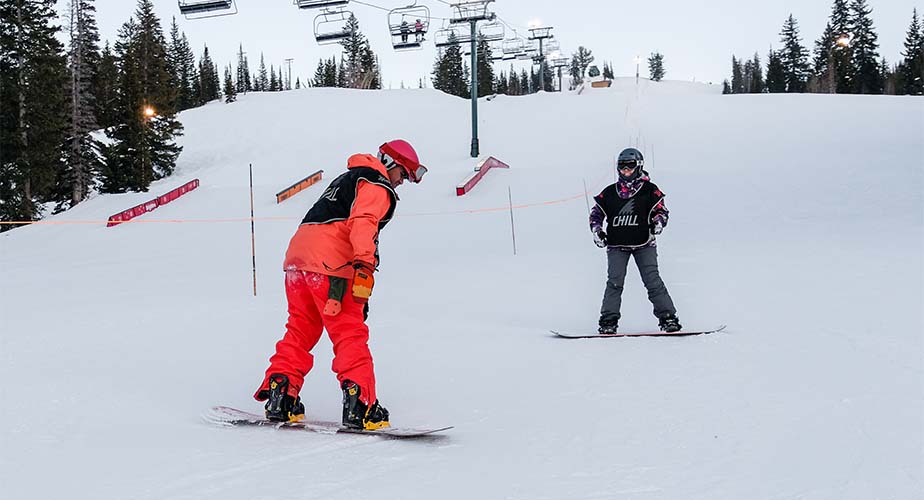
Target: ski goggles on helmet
<point>627,164</point>
<point>406,173</point>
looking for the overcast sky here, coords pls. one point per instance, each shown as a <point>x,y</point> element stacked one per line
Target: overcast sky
<point>696,38</point>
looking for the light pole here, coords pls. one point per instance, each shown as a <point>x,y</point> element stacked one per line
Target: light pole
<point>638,60</point>
<point>289,79</point>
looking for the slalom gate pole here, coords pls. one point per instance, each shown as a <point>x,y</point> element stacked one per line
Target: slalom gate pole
<point>586,195</point>
<point>253,239</point>
<point>513,231</point>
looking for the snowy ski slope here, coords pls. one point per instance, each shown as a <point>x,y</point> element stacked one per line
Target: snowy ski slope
<point>796,220</point>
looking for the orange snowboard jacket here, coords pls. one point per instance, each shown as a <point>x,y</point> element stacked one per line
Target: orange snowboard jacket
<point>343,225</point>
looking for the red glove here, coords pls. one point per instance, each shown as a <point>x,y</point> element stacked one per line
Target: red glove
<point>362,281</point>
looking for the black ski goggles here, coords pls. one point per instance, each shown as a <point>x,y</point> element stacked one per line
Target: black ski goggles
<point>627,165</point>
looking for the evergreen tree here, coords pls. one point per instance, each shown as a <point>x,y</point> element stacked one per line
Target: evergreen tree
<point>757,76</point>
<point>369,64</point>
<point>776,73</point>
<point>33,118</point>
<point>575,71</point>
<point>889,77</point>
<point>794,56</point>
<point>534,83</point>
<point>142,145</point>
<point>262,84</point>
<point>548,78</point>
<point>737,81</point>
<point>243,72</point>
<point>524,83</point>
<point>298,83</point>
<point>823,78</point>
<point>656,66</point>
<point>319,74</point>
<point>230,87</point>
<point>105,89</point>
<point>608,71</point>
<point>500,84</point>
<point>341,78</point>
<point>465,88</point>
<point>911,70</point>
<point>726,87</point>
<point>360,64</point>
<point>513,83</point>
<point>866,76</point>
<point>840,51</point>
<point>584,59</point>
<point>273,83</point>
<point>448,72</point>
<point>485,68</point>
<point>747,74</point>
<point>182,64</point>
<point>82,151</point>
<point>209,85</point>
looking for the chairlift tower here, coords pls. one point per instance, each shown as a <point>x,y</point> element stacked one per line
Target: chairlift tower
<point>541,34</point>
<point>559,63</point>
<point>472,12</point>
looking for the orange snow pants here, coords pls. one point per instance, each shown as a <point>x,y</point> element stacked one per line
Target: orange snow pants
<point>307,293</point>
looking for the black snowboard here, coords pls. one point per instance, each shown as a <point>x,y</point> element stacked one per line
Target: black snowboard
<point>681,333</point>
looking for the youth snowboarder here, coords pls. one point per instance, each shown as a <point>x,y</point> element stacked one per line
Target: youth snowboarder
<point>625,220</point>
<point>329,268</point>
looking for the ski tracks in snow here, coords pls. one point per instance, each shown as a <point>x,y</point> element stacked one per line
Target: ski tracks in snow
<point>245,470</point>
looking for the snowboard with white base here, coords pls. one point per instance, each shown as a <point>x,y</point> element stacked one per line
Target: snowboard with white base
<point>232,417</point>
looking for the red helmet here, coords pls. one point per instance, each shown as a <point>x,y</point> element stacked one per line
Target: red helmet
<point>400,152</point>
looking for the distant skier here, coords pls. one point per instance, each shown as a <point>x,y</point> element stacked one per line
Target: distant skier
<point>633,212</point>
<point>329,268</point>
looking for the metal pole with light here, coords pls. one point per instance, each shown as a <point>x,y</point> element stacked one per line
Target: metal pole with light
<point>638,60</point>
<point>474,90</point>
<point>289,79</point>
<point>470,13</point>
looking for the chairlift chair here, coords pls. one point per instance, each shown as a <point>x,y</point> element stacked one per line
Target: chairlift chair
<point>492,32</point>
<point>474,10</point>
<point>551,45</point>
<point>408,26</point>
<point>441,37</point>
<point>200,9</point>
<point>513,45</point>
<point>331,26</point>
<point>319,4</point>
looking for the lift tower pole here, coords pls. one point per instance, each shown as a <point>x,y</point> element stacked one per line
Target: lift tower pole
<point>470,13</point>
<point>541,34</point>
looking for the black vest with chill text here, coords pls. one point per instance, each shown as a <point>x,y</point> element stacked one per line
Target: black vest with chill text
<point>337,201</point>
<point>628,221</point>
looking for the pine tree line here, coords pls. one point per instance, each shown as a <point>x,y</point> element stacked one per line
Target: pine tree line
<point>452,74</point>
<point>844,60</point>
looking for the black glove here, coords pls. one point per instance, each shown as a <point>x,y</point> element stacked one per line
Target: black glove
<point>600,238</point>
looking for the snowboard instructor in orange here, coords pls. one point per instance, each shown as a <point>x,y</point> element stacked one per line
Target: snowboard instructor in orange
<point>329,266</point>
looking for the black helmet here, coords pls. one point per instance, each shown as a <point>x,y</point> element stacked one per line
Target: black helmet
<point>630,158</point>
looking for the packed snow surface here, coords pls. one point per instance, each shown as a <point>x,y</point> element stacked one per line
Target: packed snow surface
<point>795,219</point>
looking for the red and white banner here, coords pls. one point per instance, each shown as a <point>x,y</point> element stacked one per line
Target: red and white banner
<point>149,206</point>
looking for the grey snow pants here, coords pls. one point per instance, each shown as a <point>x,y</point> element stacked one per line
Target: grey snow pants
<point>647,261</point>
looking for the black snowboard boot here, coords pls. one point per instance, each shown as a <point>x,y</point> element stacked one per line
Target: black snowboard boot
<point>356,414</point>
<point>281,406</point>
<point>670,324</point>
<point>608,327</point>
